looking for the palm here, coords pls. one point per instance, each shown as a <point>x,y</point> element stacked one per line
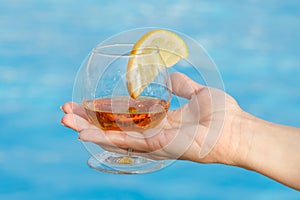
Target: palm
<point>186,128</point>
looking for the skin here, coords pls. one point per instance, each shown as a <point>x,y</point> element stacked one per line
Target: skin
<point>243,140</point>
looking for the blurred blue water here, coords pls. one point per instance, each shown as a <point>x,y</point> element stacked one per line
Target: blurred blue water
<point>42,43</point>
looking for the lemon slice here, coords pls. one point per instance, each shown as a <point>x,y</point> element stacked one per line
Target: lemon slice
<point>171,48</point>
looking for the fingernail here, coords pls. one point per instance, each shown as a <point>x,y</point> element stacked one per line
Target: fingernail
<point>60,107</point>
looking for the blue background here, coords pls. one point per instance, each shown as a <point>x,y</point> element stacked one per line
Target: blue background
<point>255,45</point>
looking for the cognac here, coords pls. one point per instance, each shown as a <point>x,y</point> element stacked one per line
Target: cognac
<point>125,113</point>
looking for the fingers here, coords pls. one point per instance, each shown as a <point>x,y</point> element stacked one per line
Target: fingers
<point>74,108</point>
<point>112,139</point>
<point>183,86</point>
<point>119,141</point>
<point>91,133</point>
<point>104,138</point>
<point>76,122</point>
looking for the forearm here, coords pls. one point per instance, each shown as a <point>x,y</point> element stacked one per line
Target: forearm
<point>270,149</point>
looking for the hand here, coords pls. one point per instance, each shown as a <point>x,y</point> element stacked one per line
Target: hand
<point>209,114</point>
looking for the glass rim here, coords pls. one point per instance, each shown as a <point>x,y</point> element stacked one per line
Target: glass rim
<point>99,50</point>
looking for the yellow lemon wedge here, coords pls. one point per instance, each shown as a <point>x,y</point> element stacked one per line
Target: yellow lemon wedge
<point>169,45</point>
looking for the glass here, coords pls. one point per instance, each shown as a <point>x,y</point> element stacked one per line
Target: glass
<point>109,106</point>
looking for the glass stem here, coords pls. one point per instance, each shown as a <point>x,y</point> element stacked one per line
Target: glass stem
<point>129,151</point>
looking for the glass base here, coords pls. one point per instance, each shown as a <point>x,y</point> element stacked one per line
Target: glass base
<point>116,163</point>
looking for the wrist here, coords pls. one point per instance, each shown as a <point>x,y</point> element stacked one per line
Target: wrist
<point>245,131</point>
<point>250,141</point>
<point>239,139</point>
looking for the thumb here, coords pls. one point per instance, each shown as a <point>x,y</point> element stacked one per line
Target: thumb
<point>183,86</point>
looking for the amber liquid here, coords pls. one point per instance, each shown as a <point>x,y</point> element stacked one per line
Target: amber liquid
<point>124,113</point>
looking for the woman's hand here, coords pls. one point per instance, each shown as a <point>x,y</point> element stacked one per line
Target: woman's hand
<point>209,114</point>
